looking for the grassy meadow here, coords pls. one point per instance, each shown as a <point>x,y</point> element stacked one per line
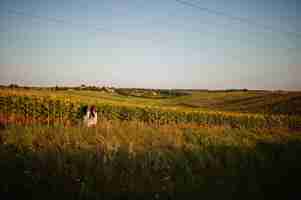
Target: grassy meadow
<point>150,145</point>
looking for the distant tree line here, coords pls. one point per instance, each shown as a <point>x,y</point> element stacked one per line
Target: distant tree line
<point>130,91</point>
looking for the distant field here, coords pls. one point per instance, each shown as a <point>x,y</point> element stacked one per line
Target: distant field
<point>237,101</point>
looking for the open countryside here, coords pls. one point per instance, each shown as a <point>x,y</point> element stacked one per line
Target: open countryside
<point>150,100</point>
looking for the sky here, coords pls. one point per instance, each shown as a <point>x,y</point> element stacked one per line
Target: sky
<point>152,43</point>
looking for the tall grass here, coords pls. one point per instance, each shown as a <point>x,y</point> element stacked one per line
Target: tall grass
<point>136,160</point>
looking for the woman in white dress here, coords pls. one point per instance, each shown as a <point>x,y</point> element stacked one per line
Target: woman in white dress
<point>90,119</point>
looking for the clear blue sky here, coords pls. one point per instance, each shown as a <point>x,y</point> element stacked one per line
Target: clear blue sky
<point>151,43</point>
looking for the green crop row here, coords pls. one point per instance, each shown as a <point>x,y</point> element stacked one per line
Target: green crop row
<point>54,109</point>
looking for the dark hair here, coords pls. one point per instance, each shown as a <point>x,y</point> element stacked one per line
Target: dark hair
<point>92,111</point>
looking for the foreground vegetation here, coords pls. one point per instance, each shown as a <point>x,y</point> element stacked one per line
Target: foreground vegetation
<point>135,160</point>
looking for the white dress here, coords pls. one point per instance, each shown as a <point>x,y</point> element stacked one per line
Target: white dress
<point>89,120</point>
